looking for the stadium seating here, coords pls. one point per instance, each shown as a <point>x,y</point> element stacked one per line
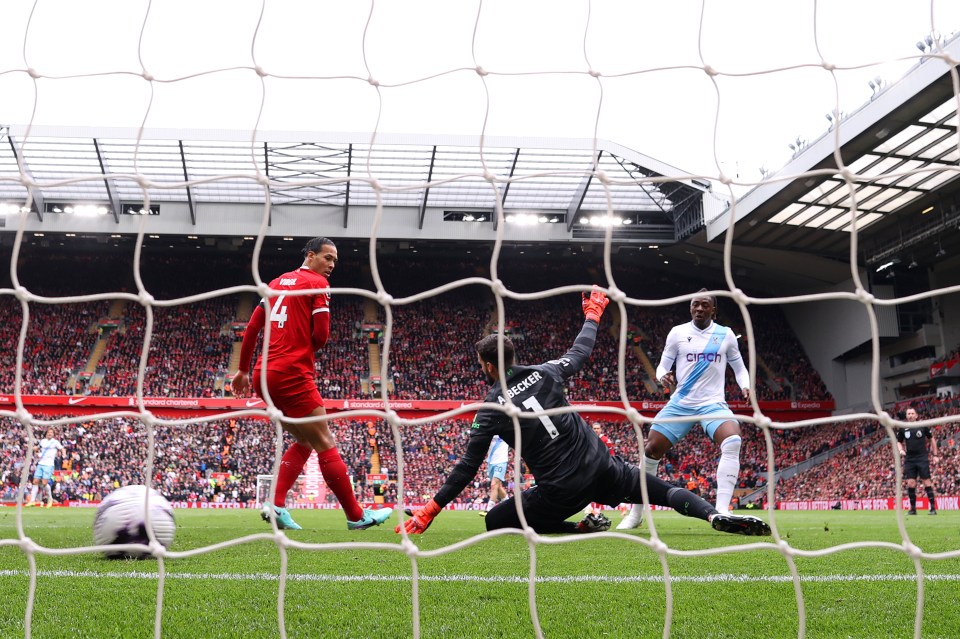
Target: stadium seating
<point>431,357</point>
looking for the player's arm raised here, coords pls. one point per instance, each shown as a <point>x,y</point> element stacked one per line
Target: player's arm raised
<point>594,304</point>
<point>573,360</point>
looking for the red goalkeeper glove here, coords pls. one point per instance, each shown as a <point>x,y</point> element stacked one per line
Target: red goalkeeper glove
<point>420,519</point>
<point>594,304</point>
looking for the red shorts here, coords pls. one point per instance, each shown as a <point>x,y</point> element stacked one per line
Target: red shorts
<point>294,395</point>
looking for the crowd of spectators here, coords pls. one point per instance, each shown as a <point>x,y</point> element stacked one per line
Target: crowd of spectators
<point>692,462</point>
<point>431,340</point>
<point>431,357</point>
<point>190,347</point>
<point>220,460</point>
<point>341,364</point>
<point>431,348</point>
<point>216,461</point>
<point>867,471</point>
<point>58,343</point>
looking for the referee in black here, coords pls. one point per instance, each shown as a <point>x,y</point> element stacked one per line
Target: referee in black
<point>571,465</point>
<point>912,442</point>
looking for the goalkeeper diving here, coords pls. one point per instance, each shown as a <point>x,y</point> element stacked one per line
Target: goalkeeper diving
<point>570,464</point>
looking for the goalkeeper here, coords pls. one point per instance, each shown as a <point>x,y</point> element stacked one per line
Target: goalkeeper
<point>571,465</point>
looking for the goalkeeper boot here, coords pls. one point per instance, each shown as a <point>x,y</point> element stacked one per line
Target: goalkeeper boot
<point>593,523</point>
<point>740,525</point>
<point>633,519</point>
<point>371,518</point>
<point>284,520</point>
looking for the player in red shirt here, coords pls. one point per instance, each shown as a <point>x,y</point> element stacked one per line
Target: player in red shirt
<point>606,440</point>
<point>299,326</point>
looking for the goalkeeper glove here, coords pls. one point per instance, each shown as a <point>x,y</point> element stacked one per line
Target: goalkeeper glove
<point>594,304</point>
<point>420,519</point>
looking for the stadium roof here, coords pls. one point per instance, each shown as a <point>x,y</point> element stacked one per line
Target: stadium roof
<point>794,229</point>
<point>194,168</point>
<point>902,151</point>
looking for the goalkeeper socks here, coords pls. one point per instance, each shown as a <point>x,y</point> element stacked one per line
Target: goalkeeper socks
<point>931,497</point>
<point>689,505</point>
<point>33,493</point>
<point>334,472</point>
<point>650,469</point>
<point>912,495</point>
<point>727,471</point>
<point>291,465</point>
<point>680,499</point>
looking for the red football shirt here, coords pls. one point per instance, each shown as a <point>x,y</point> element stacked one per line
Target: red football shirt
<point>609,444</point>
<point>291,322</point>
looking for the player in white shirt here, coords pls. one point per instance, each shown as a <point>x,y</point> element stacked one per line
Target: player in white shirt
<point>49,447</point>
<point>701,351</point>
<point>496,472</point>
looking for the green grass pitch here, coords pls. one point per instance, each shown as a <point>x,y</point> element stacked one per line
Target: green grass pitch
<point>586,585</point>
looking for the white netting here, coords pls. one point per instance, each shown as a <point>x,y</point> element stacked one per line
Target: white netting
<point>703,87</point>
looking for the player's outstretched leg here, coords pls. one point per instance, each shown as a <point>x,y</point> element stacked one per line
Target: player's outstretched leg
<point>686,503</point>
<point>634,518</point>
<point>284,520</point>
<point>370,518</point>
<point>740,525</point>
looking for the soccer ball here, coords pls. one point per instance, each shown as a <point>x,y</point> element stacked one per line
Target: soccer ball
<point>120,519</point>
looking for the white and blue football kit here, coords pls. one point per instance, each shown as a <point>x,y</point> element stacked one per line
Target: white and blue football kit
<point>701,358</point>
<point>497,459</point>
<point>48,456</point>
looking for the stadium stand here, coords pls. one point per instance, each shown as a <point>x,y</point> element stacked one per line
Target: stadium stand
<point>431,358</point>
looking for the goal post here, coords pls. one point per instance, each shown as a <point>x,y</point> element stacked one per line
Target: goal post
<point>305,493</point>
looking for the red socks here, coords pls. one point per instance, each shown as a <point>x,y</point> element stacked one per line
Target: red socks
<point>291,465</point>
<point>334,472</point>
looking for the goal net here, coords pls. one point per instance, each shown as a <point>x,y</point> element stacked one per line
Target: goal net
<point>759,142</point>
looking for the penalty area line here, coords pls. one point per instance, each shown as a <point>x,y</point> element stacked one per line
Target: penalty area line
<point>492,579</point>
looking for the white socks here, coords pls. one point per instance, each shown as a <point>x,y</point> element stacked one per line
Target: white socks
<point>727,471</point>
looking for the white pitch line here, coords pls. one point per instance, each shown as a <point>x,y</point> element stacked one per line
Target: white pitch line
<point>699,579</point>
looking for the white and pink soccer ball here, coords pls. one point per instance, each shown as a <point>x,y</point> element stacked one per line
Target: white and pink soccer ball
<point>120,519</point>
